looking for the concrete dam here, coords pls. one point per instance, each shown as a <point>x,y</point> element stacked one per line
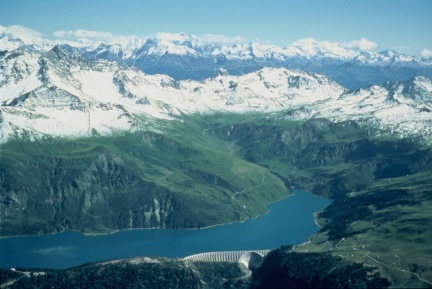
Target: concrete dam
<point>251,259</point>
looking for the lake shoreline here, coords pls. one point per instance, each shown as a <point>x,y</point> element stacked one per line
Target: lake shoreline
<point>288,221</point>
<point>114,231</point>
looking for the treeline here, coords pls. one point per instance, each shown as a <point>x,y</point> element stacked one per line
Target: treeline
<point>285,269</point>
<point>282,268</point>
<point>115,276</point>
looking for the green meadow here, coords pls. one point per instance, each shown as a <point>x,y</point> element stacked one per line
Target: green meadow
<point>214,169</point>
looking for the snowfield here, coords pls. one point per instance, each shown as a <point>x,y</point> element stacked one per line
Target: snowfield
<point>59,93</point>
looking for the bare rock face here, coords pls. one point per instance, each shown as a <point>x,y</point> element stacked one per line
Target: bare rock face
<point>70,198</point>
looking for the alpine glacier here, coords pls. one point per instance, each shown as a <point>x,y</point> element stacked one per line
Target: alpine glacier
<point>58,93</point>
<point>74,89</point>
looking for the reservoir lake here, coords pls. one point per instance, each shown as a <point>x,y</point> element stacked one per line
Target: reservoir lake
<point>289,221</point>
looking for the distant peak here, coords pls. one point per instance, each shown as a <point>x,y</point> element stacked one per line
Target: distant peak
<point>389,52</point>
<point>175,37</point>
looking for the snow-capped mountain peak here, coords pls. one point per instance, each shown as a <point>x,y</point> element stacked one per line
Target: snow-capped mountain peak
<point>310,47</point>
<point>132,48</point>
<point>190,41</point>
<point>44,92</point>
<point>62,94</point>
<point>16,36</point>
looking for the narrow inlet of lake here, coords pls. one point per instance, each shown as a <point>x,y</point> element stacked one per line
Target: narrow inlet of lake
<point>289,221</point>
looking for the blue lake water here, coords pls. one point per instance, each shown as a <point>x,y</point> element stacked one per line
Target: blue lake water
<point>290,221</point>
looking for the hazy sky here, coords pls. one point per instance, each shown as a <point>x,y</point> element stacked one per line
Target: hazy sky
<point>404,25</point>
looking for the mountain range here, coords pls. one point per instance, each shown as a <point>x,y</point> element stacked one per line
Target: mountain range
<point>183,56</point>
<point>176,132</point>
<point>67,94</point>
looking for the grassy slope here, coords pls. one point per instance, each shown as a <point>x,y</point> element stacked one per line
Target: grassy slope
<point>381,186</point>
<point>101,184</point>
<point>394,235</point>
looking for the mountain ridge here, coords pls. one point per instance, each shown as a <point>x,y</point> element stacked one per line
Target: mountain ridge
<point>183,44</point>
<point>199,59</point>
<point>44,87</point>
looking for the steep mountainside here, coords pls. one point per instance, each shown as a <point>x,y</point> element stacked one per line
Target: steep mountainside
<point>65,95</point>
<point>90,142</point>
<point>180,179</point>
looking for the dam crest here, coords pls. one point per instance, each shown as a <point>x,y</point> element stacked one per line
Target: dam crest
<point>251,259</point>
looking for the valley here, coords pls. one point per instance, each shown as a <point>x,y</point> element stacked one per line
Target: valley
<point>380,185</point>
<point>94,140</point>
